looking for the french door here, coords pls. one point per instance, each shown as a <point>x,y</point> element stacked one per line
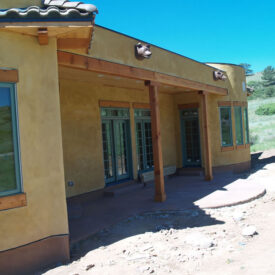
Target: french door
<point>190,138</point>
<point>144,145</point>
<point>116,149</point>
<point>145,160</point>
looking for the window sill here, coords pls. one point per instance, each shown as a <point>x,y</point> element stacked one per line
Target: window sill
<point>13,201</point>
<point>247,145</point>
<point>241,146</point>
<point>227,148</point>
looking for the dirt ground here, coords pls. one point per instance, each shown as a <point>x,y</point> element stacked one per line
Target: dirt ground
<point>192,241</point>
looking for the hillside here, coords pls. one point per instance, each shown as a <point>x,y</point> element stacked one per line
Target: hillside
<point>254,77</point>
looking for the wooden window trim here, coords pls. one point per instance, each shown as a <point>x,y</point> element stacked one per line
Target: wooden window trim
<point>188,106</point>
<point>116,104</point>
<point>247,145</point>
<point>137,105</point>
<point>241,146</point>
<point>13,201</point>
<point>9,75</point>
<point>240,103</point>
<point>227,148</point>
<point>224,103</point>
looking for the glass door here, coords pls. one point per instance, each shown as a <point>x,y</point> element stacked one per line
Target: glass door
<point>190,138</point>
<point>121,145</point>
<point>116,145</point>
<point>144,140</point>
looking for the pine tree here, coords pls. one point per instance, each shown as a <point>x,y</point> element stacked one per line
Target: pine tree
<point>268,76</point>
<point>247,68</point>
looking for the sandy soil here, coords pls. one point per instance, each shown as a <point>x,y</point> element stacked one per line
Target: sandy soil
<point>187,242</point>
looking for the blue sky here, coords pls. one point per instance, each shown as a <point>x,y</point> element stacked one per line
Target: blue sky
<point>232,31</point>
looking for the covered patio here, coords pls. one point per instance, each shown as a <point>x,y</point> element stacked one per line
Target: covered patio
<point>89,69</point>
<point>89,215</point>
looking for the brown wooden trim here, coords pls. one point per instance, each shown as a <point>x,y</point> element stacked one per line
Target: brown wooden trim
<point>207,139</point>
<point>8,75</point>
<point>13,201</point>
<point>227,148</point>
<point>73,43</point>
<point>42,35</point>
<point>188,106</point>
<point>106,67</point>
<point>237,103</point>
<point>224,103</point>
<point>160,195</point>
<point>242,146</point>
<point>137,105</point>
<point>247,145</point>
<point>117,104</point>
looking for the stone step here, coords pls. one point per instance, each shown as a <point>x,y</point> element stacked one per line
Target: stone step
<point>190,171</point>
<point>123,188</point>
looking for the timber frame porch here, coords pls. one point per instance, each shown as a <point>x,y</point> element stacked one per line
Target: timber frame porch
<point>152,81</point>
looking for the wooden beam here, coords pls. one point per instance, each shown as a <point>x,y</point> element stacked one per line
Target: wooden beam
<point>160,195</point>
<point>42,35</point>
<point>224,103</point>
<point>207,141</point>
<point>116,104</point>
<point>106,67</point>
<point>137,105</point>
<point>8,75</point>
<point>13,201</point>
<point>73,43</point>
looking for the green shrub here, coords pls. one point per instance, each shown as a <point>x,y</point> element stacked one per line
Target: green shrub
<point>266,110</point>
<point>253,138</point>
<point>269,91</point>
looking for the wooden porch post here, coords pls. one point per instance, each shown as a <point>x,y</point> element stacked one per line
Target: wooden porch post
<point>207,142</point>
<point>160,195</point>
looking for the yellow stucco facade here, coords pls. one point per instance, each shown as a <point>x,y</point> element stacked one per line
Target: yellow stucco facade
<point>81,92</point>
<point>40,143</point>
<point>60,122</point>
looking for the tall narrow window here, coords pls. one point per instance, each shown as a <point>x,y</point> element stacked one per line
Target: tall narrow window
<point>10,178</point>
<point>226,126</point>
<point>144,140</point>
<point>238,125</point>
<point>246,125</point>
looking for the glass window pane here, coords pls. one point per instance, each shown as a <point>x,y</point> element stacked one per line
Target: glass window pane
<point>238,125</point>
<point>8,181</point>
<point>246,125</point>
<point>226,126</point>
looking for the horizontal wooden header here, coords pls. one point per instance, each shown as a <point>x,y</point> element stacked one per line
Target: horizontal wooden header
<point>240,103</point>
<point>8,75</point>
<point>188,106</point>
<point>110,68</point>
<point>137,105</point>
<point>224,103</point>
<point>116,104</point>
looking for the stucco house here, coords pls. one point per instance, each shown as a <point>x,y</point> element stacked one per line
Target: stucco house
<point>83,107</point>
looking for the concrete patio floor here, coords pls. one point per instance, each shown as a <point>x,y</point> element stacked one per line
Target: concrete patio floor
<point>88,216</point>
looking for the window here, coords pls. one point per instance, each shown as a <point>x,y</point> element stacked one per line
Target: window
<point>10,176</point>
<point>238,125</point>
<point>246,130</point>
<point>144,140</point>
<point>226,126</point>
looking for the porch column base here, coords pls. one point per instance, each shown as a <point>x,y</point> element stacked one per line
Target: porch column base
<point>160,197</point>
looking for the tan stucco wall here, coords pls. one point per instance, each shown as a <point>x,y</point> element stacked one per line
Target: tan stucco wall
<point>118,48</point>
<point>41,143</point>
<point>82,136</point>
<point>235,76</point>
<point>7,4</point>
